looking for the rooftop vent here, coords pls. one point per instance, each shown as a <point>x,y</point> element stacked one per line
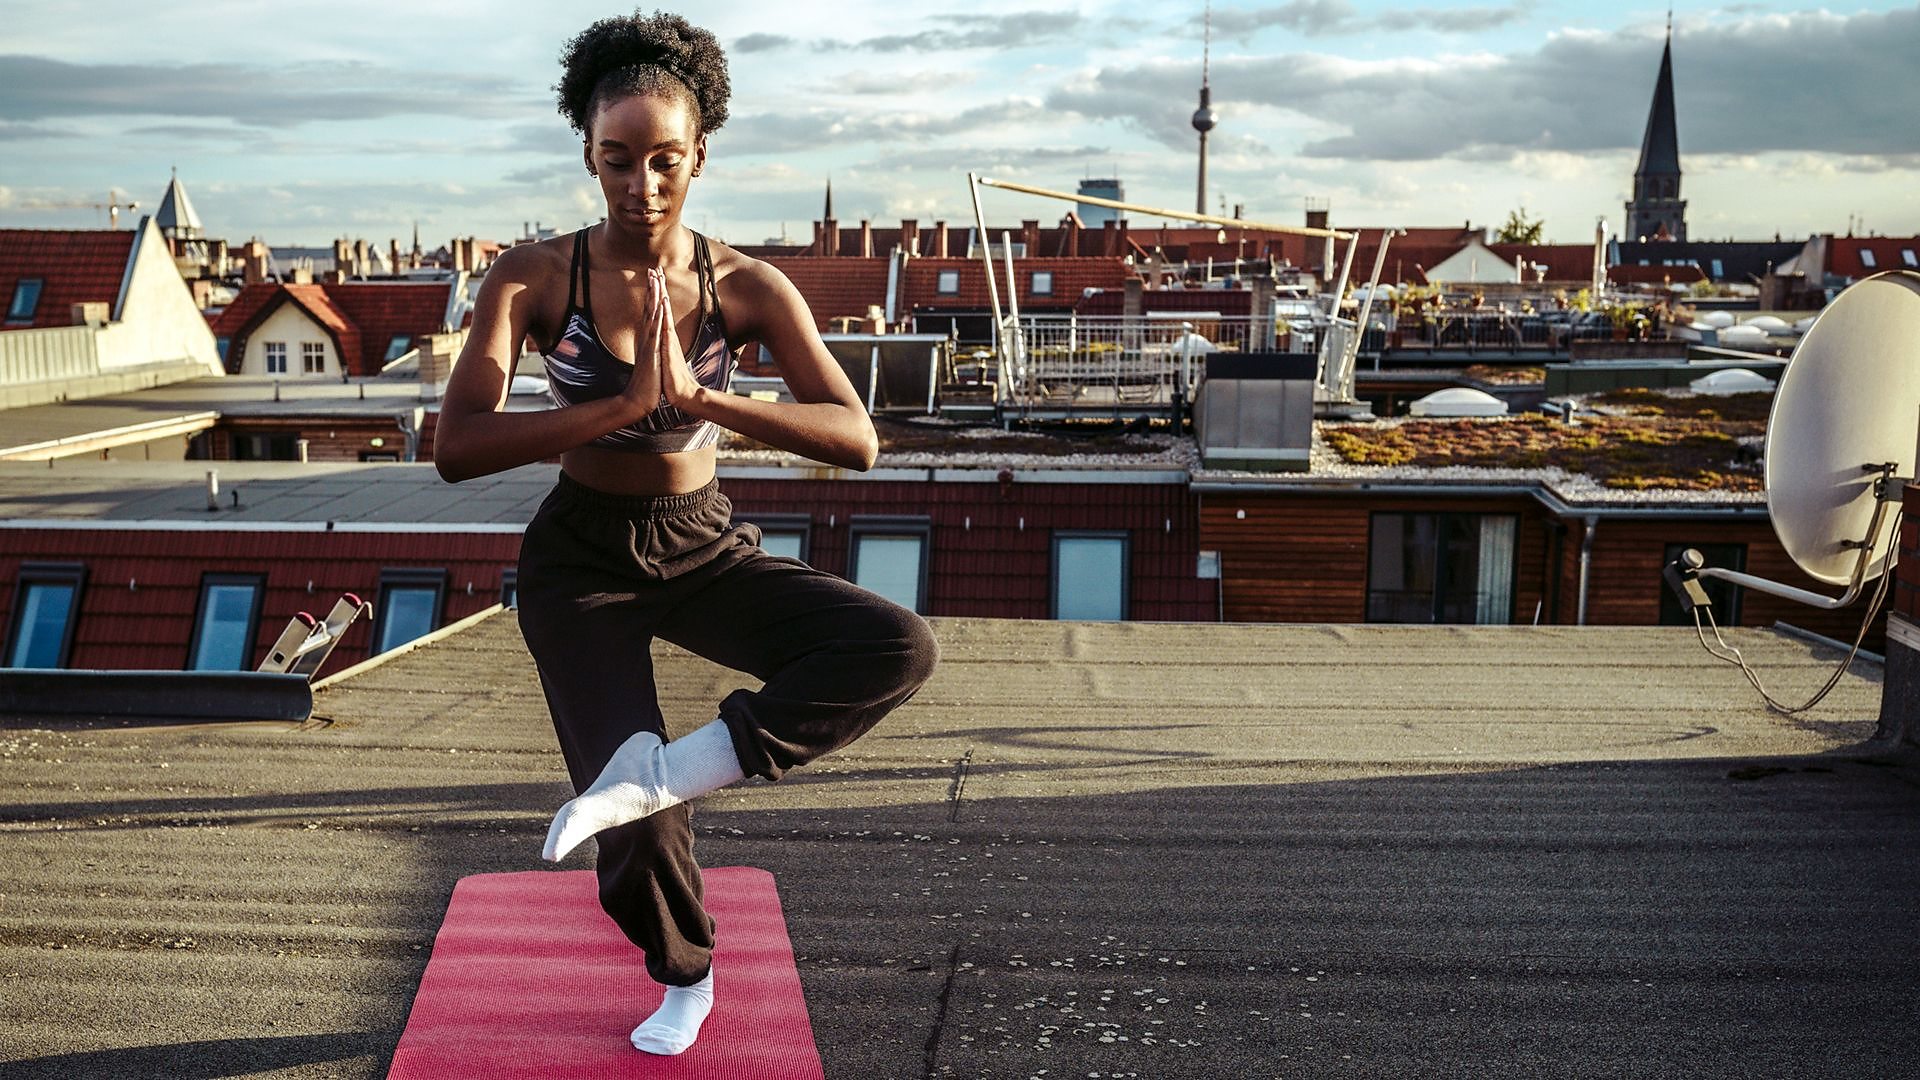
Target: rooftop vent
<point>1732,381</point>
<point>1458,401</point>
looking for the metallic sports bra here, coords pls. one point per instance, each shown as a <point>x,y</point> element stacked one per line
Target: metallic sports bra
<point>581,368</point>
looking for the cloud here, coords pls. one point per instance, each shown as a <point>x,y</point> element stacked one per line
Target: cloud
<point>954,32</point>
<point>752,43</point>
<point>820,129</point>
<point>11,132</point>
<point>1323,18</point>
<point>38,88</point>
<point>1810,81</point>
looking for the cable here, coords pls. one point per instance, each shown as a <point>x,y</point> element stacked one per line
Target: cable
<point>1732,655</point>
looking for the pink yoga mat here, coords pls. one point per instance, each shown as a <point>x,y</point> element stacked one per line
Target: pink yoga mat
<point>530,979</point>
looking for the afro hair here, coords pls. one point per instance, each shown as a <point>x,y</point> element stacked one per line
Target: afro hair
<point>643,54</point>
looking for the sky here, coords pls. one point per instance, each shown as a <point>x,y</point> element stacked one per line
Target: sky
<point>299,123</point>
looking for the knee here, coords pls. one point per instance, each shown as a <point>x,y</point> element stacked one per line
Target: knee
<point>633,855</point>
<point>920,650</point>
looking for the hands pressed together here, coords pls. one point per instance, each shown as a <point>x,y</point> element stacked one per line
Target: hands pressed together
<point>660,372</point>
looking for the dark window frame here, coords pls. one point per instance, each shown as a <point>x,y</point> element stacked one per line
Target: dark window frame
<point>785,523</point>
<point>1033,283</point>
<point>266,357</point>
<point>209,579</point>
<point>407,577</point>
<point>15,314</point>
<point>44,573</point>
<point>1726,595</point>
<point>920,525</point>
<point>1440,577</point>
<point>510,587</point>
<point>1126,567</point>
<point>398,346</point>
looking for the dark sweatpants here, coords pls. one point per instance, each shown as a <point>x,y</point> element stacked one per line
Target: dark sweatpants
<point>601,576</point>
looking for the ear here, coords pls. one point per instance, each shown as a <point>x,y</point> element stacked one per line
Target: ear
<point>700,153</point>
<point>586,152</point>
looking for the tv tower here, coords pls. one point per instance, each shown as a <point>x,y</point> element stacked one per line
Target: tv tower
<point>1204,118</point>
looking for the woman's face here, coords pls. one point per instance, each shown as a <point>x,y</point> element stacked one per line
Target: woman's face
<point>646,153</point>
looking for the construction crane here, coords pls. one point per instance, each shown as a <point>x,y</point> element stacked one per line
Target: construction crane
<point>112,206</point>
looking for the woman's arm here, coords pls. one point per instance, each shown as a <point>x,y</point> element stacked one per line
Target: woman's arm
<point>474,438</point>
<point>825,421</point>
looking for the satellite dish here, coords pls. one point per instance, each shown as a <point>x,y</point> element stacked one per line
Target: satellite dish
<point>1848,404</point>
<point>1840,454</point>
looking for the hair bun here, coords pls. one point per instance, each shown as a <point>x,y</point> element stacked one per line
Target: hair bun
<point>618,52</point>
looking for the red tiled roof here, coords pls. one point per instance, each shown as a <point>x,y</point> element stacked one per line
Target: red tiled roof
<point>75,266</point>
<point>1845,255</point>
<point>361,317</point>
<point>836,286</point>
<point>384,310</point>
<point>1071,278</point>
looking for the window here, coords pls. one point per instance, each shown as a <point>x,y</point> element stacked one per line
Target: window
<point>510,587</point>
<point>227,622</point>
<point>46,603</point>
<point>1441,568</point>
<point>276,358</point>
<point>890,558</point>
<point>398,347</point>
<point>1866,258</point>
<point>1907,256</point>
<point>269,447</point>
<point>787,535</point>
<point>379,455</point>
<point>1717,272</point>
<point>313,358</point>
<point>1724,594</point>
<point>1042,283</point>
<point>221,343</point>
<point>1090,575</point>
<point>26,296</point>
<point>948,283</point>
<point>409,606</point>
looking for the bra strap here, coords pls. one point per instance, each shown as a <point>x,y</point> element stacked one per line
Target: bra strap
<point>709,292</point>
<point>579,270</point>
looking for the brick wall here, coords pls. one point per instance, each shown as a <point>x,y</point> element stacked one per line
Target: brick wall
<point>1906,584</point>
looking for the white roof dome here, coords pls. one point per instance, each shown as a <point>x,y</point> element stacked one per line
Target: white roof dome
<point>1718,318</point>
<point>1458,401</point>
<point>1732,381</point>
<point>1772,324</point>
<point>1743,335</point>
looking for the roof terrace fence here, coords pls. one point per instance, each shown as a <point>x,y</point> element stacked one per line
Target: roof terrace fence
<point>1127,365</point>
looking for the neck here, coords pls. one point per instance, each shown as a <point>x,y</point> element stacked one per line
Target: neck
<point>666,244</point>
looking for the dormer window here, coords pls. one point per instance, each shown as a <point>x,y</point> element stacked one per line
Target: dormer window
<point>26,296</point>
<point>1042,283</point>
<point>948,283</point>
<point>1866,258</point>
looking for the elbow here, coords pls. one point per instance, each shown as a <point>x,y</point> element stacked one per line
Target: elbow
<point>867,451</point>
<point>449,462</point>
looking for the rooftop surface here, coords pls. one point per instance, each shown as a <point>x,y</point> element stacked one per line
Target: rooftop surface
<point>1151,850</point>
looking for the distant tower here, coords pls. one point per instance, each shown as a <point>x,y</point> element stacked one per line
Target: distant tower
<point>1094,217</point>
<point>176,218</point>
<point>1204,118</point>
<point>827,214</point>
<point>1657,210</point>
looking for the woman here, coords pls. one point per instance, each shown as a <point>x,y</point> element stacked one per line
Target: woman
<point>640,320</point>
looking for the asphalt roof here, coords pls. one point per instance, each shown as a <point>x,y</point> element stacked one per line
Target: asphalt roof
<point>1153,850</point>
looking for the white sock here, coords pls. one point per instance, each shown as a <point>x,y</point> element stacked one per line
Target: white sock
<point>645,777</point>
<point>673,1027</point>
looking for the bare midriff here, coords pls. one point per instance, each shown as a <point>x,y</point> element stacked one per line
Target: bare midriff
<point>625,472</point>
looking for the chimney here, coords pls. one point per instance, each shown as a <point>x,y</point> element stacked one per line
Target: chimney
<point>360,257</point>
<point>1071,244</point>
<point>830,237</point>
<point>1316,217</point>
<point>1109,230</point>
<point>302,275</point>
<point>253,262</point>
<point>910,236</point>
<point>93,312</point>
<point>1134,302</point>
<point>393,256</point>
<point>1030,236</point>
<point>940,240</point>
<point>866,239</point>
<point>342,252</point>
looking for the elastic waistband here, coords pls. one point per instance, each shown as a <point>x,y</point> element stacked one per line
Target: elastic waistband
<point>637,506</point>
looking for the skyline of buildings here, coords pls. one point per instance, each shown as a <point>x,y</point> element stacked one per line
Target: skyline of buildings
<point>1543,107</point>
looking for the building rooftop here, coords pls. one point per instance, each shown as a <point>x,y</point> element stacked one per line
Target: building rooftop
<point>74,266</point>
<point>1170,850</point>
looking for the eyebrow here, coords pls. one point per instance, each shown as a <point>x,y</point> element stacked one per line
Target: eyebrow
<point>670,144</point>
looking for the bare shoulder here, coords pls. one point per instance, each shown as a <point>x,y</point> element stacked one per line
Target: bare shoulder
<point>753,291</point>
<point>534,264</point>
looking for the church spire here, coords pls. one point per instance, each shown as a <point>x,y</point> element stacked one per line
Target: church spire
<point>827,214</point>
<point>1657,207</point>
